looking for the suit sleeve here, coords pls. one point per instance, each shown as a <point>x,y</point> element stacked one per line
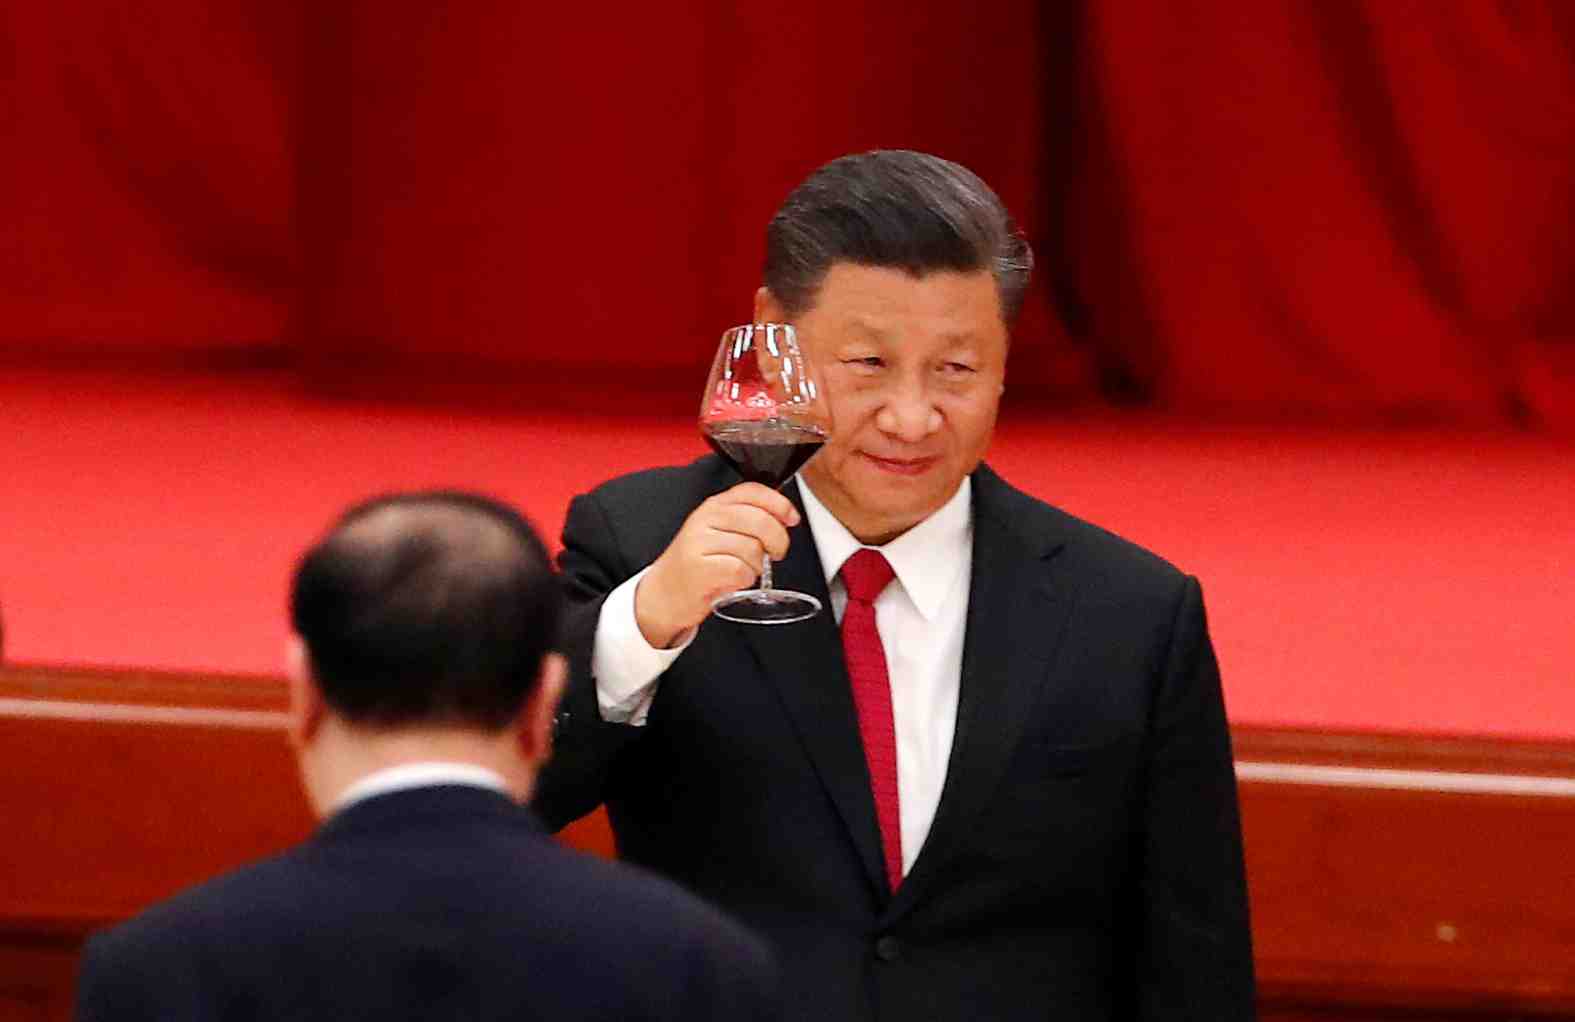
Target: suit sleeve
<point>1195,962</point>
<point>101,992</point>
<point>585,747</point>
<point>127,980</point>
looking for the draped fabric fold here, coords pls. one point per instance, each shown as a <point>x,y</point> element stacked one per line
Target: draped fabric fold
<point>1335,208</point>
<point>147,177</point>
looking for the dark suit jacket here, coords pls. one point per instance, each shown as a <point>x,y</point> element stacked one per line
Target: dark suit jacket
<point>444,902</point>
<point>1085,861</point>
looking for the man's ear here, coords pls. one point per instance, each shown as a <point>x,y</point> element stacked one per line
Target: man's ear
<point>767,308</point>
<point>536,716</point>
<point>306,699</point>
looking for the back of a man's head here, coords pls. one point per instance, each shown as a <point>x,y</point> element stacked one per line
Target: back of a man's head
<point>429,608</point>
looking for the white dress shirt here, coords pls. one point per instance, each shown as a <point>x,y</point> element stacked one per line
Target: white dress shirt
<point>419,775</point>
<point>921,617</point>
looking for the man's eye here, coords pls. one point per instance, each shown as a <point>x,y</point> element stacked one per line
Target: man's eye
<point>959,367</point>
<point>871,361</point>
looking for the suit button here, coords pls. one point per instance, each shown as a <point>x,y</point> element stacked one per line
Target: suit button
<point>888,949</point>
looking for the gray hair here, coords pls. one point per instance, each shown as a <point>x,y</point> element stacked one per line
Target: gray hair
<point>899,209</point>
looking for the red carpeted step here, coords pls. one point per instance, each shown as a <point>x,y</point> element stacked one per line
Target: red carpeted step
<point>1400,580</point>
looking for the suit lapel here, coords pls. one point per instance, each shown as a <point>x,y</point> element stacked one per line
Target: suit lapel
<point>804,662</point>
<point>1017,611</point>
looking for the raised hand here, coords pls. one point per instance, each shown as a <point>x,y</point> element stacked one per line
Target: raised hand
<point>718,550</point>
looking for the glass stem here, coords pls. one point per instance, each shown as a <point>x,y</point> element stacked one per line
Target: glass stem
<point>765,574</point>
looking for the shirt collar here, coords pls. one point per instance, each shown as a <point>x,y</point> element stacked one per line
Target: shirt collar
<point>926,558</point>
<point>419,775</point>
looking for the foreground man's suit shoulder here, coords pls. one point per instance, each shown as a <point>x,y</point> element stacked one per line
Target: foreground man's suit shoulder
<point>436,903</point>
<point>1085,859</point>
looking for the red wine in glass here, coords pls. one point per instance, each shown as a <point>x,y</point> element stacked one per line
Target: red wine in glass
<point>764,413</point>
<point>768,451</point>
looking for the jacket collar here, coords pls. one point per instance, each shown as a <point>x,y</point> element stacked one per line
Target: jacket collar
<point>407,807</point>
<point>926,559</point>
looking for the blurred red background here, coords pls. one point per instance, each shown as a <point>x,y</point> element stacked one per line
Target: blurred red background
<point>1316,253</point>
<point>1348,210</point>
<point>1335,217</point>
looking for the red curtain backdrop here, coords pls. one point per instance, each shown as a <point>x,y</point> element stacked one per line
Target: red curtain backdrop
<point>1348,209</point>
<point>1333,206</point>
<point>147,177</point>
<point>508,186</point>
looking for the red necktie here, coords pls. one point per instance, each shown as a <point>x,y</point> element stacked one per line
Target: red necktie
<point>864,575</point>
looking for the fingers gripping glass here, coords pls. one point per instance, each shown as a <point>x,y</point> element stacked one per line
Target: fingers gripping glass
<point>764,412</point>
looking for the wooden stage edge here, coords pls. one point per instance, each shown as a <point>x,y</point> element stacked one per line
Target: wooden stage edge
<point>1392,877</point>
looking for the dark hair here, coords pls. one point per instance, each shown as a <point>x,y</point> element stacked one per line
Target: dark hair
<point>899,209</point>
<point>430,607</point>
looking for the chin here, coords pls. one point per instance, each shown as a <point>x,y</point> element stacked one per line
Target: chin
<point>906,506</point>
<point>898,502</point>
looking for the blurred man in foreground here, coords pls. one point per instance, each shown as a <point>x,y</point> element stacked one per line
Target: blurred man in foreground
<point>993,779</point>
<point>422,693</point>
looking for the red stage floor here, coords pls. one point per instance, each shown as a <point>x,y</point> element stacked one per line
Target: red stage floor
<point>1419,581</point>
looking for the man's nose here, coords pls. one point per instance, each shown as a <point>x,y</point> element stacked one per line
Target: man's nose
<point>908,413</point>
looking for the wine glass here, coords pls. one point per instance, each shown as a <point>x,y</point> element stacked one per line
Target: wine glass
<point>763,411</point>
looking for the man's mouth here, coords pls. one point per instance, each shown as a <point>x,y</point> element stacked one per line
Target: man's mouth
<point>902,466</point>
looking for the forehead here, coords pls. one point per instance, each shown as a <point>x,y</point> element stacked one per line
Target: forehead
<point>884,302</point>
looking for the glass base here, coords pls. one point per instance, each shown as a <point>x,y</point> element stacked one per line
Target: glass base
<point>765,606</point>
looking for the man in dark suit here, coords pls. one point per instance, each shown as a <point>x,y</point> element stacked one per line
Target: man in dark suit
<point>422,693</point>
<point>993,780</point>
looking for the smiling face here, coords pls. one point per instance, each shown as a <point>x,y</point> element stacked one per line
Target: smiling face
<point>913,369</point>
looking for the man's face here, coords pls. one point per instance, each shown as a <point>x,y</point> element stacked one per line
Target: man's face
<point>913,369</point>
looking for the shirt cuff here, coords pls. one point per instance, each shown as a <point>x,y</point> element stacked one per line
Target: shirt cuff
<point>625,666</point>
